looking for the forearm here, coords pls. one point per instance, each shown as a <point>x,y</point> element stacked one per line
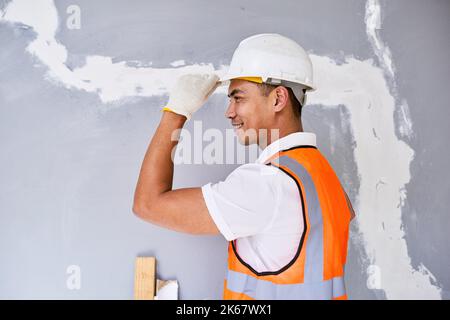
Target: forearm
<point>156,175</point>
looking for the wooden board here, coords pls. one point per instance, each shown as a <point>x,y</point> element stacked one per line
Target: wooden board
<point>145,278</point>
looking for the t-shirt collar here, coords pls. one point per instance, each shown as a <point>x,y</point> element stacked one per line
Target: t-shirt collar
<point>291,140</point>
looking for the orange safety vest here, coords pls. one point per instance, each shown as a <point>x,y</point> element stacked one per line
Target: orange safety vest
<point>317,270</point>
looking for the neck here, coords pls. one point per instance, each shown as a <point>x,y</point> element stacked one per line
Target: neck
<point>280,131</point>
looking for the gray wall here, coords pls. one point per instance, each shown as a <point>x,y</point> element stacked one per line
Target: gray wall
<point>69,161</point>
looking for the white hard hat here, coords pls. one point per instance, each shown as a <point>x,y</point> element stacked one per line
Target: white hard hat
<point>275,59</point>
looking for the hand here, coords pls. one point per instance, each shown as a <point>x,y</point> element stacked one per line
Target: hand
<point>190,92</point>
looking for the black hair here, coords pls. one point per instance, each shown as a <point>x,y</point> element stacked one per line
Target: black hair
<point>266,89</point>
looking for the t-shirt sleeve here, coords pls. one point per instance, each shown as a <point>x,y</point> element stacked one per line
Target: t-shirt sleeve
<point>246,203</point>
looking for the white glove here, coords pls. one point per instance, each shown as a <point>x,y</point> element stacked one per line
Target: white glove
<point>190,93</point>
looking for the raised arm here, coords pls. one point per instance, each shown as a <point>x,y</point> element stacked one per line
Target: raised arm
<point>181,210</point>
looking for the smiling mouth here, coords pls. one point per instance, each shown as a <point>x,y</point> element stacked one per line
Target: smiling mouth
<point>237,125</point>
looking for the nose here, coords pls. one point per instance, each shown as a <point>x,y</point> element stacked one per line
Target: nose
<point>231,112</point>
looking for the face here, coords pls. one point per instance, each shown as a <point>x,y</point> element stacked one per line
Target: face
<point>250,112</point>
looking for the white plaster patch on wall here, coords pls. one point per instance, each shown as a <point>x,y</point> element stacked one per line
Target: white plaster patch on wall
<point>383,167</point>
<point>382,159</point>
<point>373,24</point>
<point>112,81</point>
<point>178,63</point>
<point>383,53</point>
<point>383,232</point>
<point>404,122</point>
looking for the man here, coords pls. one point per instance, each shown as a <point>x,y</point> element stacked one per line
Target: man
<point>286,215</point>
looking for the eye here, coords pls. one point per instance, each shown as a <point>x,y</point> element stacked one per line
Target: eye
<point>237,99</point>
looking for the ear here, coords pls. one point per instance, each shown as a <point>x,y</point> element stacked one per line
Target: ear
<point>281,97</point>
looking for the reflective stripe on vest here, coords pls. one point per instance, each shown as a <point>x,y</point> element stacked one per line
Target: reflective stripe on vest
<point>266,290</point>
<point>314,245</point>
<point>313,286</point>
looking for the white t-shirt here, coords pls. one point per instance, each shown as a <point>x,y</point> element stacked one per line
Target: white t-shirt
<point>260,206</point>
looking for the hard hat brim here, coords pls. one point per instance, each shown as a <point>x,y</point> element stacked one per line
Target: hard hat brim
<point>225,80</point>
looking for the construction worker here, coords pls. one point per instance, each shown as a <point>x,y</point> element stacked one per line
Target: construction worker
<point>286,216</point>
